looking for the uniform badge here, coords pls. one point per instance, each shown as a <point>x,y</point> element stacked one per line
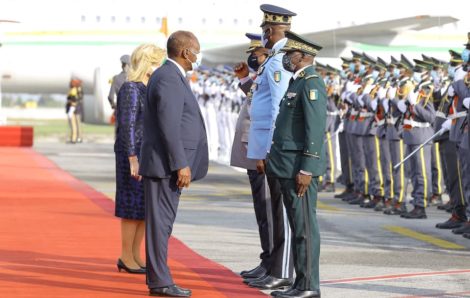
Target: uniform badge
<point>313,95</point>
<point>277,76</point>
<point>291,95</point>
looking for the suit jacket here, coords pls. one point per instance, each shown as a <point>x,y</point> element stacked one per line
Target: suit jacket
<point>300,128</point>
<point>174,132</point>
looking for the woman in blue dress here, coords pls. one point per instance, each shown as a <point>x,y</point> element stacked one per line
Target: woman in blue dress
<point>129,129</point>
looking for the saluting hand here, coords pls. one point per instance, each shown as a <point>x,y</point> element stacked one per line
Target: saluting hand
<point>241,70</point>
<point>184,177</point>
<point>134,167</point>
<point>303,181</point>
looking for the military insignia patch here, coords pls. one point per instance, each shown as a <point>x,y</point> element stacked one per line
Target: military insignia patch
<point>291,95</point>
<point>277,76</point>
<point>313,94</point>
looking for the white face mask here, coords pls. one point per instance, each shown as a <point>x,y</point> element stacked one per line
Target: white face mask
<point>195,65</point>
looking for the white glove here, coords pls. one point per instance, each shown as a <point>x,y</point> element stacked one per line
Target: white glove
<point>382,93</point>
<point>392,92</point>
<point>450,91</point>
<point>402,106</point>
<point>385,104</point>
<point>373,104</point>
<point>446,125</point>
<point>340,127</point>
<point>466,102</point>
<point>412,97</point>
<point>349,86</point>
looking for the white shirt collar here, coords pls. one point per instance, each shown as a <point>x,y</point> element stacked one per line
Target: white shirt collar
<point>279,45</point>
<point>183,72</point>
<point>296,74</point>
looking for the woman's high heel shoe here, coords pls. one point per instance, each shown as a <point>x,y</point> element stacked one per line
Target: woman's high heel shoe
<point>121,266</point>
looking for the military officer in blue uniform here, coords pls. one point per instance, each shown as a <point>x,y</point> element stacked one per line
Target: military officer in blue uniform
<point>297,160</point>
<point>257,53</point>
<point>268,89</point>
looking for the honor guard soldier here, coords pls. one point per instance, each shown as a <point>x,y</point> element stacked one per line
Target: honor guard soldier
<point>119,79</point>
<point>332,123</point>
<point>419,116</point>
<point>460,91</point>
<point>257,55</point>
<point>297,160</point>
<point>423,68</point>
<point>448,150</point>
<point>346,177</point>
<point>268,89</point>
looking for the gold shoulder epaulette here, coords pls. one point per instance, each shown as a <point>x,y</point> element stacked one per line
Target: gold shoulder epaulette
<point>311,76</point>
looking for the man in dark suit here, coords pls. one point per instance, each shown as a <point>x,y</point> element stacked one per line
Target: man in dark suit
<point>174,153</point>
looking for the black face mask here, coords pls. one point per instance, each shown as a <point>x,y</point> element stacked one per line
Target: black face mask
<point>252,62</point>
<point>287,63</point>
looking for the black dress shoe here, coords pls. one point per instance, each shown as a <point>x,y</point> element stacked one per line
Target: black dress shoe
<point>271,283</point>
<point>277,293</point>
<point>254,273</point>
<point>300,294</point>
<point>121,266</point>
<point>374,202</point>
<point>416,213</point>
<point>435,200</point>
<point>249,280</point>
<point>463,229</point>
<point>345,193</point>
<point>396,209</point>
<point>452,223</point>
<point>170,291</point>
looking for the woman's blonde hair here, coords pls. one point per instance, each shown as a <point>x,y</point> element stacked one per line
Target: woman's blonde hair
<point>143,58</point>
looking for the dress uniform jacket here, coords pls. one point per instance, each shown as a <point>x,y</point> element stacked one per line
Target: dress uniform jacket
<point>420,114</point>
<point>298,138</point>
<point>268,89</point>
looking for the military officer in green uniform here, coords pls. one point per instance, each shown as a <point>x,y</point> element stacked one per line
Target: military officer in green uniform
<point>296,159</point>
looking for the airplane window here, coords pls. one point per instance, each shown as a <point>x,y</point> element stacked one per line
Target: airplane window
<point>180,20</point>
<point>128,19</point>
<point>221,21</point>
<point>113,19</point>
<point>142,19</point>
<point>83,18</point>
<point>98,19</point>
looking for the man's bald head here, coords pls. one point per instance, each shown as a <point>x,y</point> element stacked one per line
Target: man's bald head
<point>179,41</point>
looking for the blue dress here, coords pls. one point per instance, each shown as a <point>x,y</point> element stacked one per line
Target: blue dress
<point>129,131</point>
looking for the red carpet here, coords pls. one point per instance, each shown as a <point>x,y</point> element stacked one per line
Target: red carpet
<point>59,238</point>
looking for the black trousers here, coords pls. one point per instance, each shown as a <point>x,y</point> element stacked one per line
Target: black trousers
<point>161,204</point>
<point>262,206</point>
<point>281,257</point>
